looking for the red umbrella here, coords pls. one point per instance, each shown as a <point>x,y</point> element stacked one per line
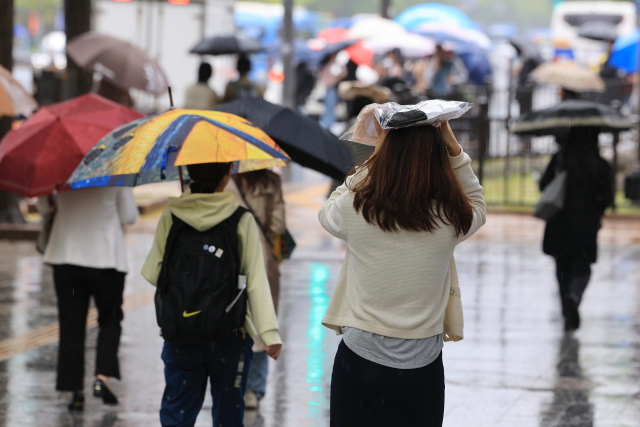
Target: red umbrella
<point>39,156</point>
<point>361,54</point>
<point>333,35</point>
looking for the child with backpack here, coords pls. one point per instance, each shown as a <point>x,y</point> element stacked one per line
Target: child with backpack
<point>213,296</point>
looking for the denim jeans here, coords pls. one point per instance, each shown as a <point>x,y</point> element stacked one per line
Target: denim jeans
<point>330,101</point>
<point>257,380</point>
<point>186,370</point>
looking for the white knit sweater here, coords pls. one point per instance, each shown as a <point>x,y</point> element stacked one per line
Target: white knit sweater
<point>396,284</point>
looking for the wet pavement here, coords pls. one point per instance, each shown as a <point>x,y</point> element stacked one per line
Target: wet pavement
<point>515,366</point>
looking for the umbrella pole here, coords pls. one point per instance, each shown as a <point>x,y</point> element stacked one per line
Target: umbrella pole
<point>181,179</point>
<point>171,107</point>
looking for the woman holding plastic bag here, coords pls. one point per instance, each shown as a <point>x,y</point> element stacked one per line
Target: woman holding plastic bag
<point>397,299</point>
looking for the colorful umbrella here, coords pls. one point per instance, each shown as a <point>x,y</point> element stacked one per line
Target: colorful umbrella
<point>153,148</point>
<point>415,16</point>
<point>624,55</point>
<point>333,35</point>
<point>39,156</point>
<point>14,100</point>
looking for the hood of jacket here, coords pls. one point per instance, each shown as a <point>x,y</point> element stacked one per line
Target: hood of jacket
<point>203,211</point>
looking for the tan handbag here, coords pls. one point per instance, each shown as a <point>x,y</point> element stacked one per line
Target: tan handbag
<point>453,316</point>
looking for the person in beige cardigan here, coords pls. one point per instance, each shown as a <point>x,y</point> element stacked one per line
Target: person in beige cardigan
<point>402,214</point>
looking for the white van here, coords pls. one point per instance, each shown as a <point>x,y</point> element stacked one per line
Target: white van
<point>567,17</point>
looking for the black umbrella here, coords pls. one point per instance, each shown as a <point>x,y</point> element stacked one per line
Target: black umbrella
<point>301,137</point>
<point>558,119</point>
<point>598,30</point>
<point>227,45</point>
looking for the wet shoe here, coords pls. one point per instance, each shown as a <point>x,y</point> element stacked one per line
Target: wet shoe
<point>77,402</point>
<point>572,317</point>
<point>251,401</point>
<point>100,389</point>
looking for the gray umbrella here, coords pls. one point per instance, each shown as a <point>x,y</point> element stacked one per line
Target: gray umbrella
<point>120,62</point>
<point>558,119</point>
<point>598,30</point>
<point>227,45</point>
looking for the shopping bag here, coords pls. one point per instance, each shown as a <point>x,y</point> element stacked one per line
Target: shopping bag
<point>552,200</point>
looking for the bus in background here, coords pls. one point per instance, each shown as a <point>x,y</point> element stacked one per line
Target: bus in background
<point>567,17</point>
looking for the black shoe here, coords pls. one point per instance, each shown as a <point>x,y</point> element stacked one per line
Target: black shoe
<point>572,316</point>
<point>100,389</point>
<point>77,402</point>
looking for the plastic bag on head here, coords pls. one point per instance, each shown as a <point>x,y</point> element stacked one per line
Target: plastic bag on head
<point>395,116</point>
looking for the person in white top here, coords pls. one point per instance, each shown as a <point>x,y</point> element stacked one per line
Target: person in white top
<point>402,214</point>
<point>87,252</point>
<point>200,96</point>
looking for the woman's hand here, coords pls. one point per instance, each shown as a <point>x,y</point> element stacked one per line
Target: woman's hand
<point>273,350</point>
<point>449,139</point>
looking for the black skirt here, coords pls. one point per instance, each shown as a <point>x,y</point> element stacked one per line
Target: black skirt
<point>366,394</point>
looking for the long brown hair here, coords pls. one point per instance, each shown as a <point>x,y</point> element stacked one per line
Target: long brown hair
<point>411,185</point>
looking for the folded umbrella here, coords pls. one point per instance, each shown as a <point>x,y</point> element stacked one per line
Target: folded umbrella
<point>118,61</point>
<point>14,100</point>
<point>154,148</point>
<point>39,156</point>
<point>598,30</point>
<point>227,45</point>
<point>568,75</point>
<point>558,119</point>
<point>301,137</point>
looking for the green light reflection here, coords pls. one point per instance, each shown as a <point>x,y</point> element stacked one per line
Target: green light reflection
<point>315,337</point>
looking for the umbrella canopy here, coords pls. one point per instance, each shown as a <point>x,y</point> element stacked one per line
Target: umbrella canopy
<point>558,119</point>
<point>477,64</point>
<point>568,75</point>
<point>333,35</point>
<point>14,100</point>
<point>361,54</point>
<point>308,144</point>
<point>598,30</point>
<point>120,62</point>
<point>526,48</point>
<point>373,26</point>
<point>446,31</point>
<point>151,149</point>
<point>410,45</point>
<point>413,17</point>
<point>624,55</point>
<point>227,45</point>
<point>39,156</point>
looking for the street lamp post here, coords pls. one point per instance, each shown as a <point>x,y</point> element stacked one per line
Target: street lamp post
<point>385,5</point>
<point>289,83</point>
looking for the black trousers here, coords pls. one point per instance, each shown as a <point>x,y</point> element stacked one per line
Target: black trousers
<point>573,275</point>
<point>74,287</point>
<point>366,394</point>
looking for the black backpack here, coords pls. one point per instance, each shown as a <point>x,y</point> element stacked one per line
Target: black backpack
<point>201,297</point>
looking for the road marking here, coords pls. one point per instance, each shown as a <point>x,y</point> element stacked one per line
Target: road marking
<point>50,333</point>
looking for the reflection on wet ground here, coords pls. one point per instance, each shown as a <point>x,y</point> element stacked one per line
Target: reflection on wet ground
<point>514,368</point>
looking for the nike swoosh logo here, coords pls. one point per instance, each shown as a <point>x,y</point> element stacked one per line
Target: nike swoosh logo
<point>185,314</point>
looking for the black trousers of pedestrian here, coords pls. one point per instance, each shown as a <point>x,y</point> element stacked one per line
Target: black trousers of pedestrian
<point>366,394</point>
<point>74,287</point>
<point>573,275</point>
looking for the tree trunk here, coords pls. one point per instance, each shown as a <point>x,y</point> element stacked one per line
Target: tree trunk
<point>9,208</point>
<point>77,21</point>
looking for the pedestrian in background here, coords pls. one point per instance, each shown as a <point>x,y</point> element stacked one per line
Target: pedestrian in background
<point>332,71</point>
<point>443,72</point>
<point>261,192</point>
<point>87,252</point>
<point>242,87</point>
<point>402,214</point>
<point>571,237</point>
<point>200,96</point>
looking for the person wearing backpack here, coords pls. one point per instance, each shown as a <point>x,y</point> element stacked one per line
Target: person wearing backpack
<point>243,87</point>
<point>213,296</point>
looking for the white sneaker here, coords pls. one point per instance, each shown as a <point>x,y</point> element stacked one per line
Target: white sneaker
<point>250,400</point>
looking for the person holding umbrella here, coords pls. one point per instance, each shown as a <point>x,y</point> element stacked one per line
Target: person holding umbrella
<point>242,87</point>
<point>200,96</point>
<point>570,237</point>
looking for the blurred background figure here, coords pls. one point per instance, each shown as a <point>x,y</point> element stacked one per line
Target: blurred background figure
<point>571,236</point>
<point>332,71</point>
<point>87,252</point>
<point>114,93</point>
<point>261,192</point>
<point>242,87</point>
<point>443,71</point>
<point>200,96</point>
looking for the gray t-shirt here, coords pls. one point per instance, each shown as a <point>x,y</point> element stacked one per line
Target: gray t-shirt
<point>396,353</point>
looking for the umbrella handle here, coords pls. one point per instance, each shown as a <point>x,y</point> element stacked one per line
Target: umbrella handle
<point>171,104</point>
<point>181,179</point>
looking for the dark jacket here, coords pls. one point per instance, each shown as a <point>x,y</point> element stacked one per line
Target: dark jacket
<point>589,191</point>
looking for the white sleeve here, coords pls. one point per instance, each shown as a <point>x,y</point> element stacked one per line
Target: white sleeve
<point>330,215</point>
<point>461,165</point>
<point>127,208</point>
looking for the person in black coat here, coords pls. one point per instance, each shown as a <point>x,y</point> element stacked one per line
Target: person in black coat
<point>571,236</point>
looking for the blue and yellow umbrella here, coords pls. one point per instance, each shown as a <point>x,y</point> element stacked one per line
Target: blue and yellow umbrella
<point>154,149</point>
